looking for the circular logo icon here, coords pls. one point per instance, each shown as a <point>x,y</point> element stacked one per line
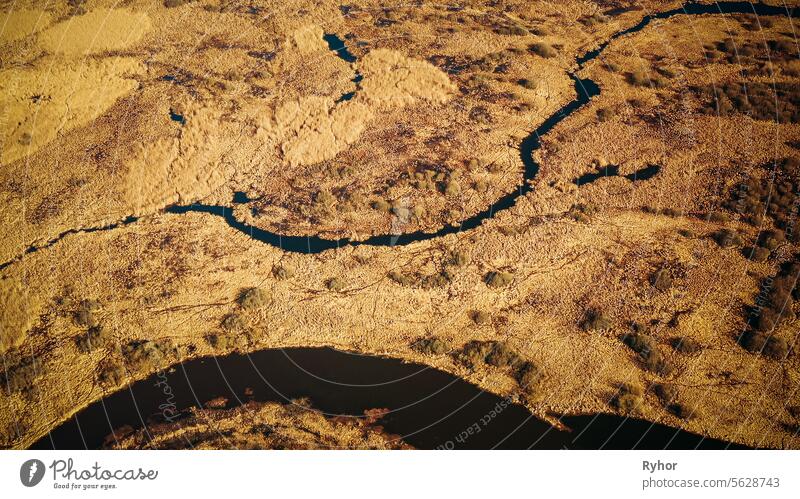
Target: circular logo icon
<point>31,472</point>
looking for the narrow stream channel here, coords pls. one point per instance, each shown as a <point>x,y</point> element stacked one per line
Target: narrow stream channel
<point>585,90</point>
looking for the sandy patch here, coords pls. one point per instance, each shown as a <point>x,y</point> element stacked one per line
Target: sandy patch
<point>56,96</point>
<point>96,31</point>
<point>18,24</point>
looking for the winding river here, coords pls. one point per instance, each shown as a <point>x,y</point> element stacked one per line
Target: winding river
<point>428,408</point>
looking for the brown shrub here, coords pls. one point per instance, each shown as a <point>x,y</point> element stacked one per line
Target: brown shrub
<point>502,355</point>
<point>543,50</point>
<point>498,279</point>
<point>95,337</point>
<point>253,298</point>
<point>432,346</point>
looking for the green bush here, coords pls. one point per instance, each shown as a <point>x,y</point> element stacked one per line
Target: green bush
<point>402,279</point>
<point>451,188</point>
<point>756,253</point>
<point>432,346</point>
<point>718,217</point>
<point>458,258</point>
<point>436,280</point>
<point>581,212</point>
<point>655,362</point>
<point>593,20</point>
<point>667,394</point>
<point>641,78</point>
<point>381,205</point>
<point>765,344</point>
<point>221,341</point>
<point>253,298</point>
<point>639,342</point>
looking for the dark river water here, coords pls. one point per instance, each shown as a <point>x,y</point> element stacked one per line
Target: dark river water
<point>428,408</point>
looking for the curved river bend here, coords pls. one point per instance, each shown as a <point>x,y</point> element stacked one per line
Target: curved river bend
<point>428,408</point>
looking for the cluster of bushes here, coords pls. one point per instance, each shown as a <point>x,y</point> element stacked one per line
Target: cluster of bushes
<point>439,279</point>
<point>326,203</point>
<point>628,398</point>
<point>761,101</point>
<point>499,354</point>
<point>21,377</point>
<point>642,78</point>
<point>647,348</point>
<point>432,346</point>
<point>752,52</point>
<point>147,355</point>
<point>670,212</point>
<point>456,258</point>
<point>774,306</point>
<point>668,396</point>
<point>778,199</point>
